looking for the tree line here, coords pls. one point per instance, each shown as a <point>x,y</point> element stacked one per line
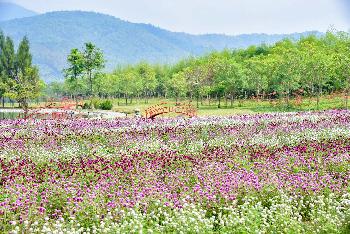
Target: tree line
<point>19,78</point>
<point>311,66</point>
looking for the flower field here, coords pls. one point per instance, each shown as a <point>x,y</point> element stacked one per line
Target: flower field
<point>270,173</point>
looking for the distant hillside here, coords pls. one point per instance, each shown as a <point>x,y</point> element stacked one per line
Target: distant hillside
<point>9,11</point>
<point>52,35</point>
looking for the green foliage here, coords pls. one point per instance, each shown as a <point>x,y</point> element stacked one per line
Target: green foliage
<point>106,105</point>
<point>310,67</point>
<point>74,72</point>
<point>87,105</point>
<point>83,70</point>
<point>20,79</point>
<point>93,62</point>
<point>98,104</point>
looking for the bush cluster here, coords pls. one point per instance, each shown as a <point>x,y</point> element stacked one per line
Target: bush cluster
<point>98,104</point>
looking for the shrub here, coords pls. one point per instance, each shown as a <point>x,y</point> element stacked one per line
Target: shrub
<point>106,105</point>
<point>87,105</point>
<point>95,102</point>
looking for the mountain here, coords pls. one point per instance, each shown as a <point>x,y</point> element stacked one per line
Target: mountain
<point>9,11</point>
<point>53,35</point>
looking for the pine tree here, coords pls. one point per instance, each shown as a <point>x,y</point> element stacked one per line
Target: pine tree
<point>8,58</point>
<point>23,57</point>
<point>21,78</point>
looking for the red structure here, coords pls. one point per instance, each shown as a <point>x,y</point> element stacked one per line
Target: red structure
<point>55,109</point>
<point>186,109</point>
<point>63,104</point>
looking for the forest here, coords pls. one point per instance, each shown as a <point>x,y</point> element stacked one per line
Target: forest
<point>309,67</point>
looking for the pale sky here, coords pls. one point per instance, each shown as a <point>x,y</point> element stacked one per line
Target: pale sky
<point>215,16</point>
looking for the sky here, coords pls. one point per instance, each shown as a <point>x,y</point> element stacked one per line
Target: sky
<point>231,17</point>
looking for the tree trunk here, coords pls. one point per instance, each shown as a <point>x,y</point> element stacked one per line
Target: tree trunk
<point>231,100</point>
<point>25,107</point>
<point>219,106</point>
<point>346,96</point>
<point>90,81</point>
<point>287,98</point>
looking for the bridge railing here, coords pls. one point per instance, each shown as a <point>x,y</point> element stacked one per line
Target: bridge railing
<point>164,108</point>
<point>65,110</point>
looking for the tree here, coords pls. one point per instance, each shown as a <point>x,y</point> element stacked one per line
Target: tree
<point>2,75</point>
<point>26,86</point>
<point>55,89</point>
<point>315,66</point>
<point>148,79</point>
<point>195,76</point>
<point>232,76</point>
<point>22,78</point>
<point>312,64</point>
<point>74,72</point>
<point>256,73</point>
<point>7,63</point>
<point>93,63</point>
<point>163,74</point>
<point>128,82</point>
<point>341,62</point>
<point>178,85</point>
<point>285,67</point>
<point>8,58</point>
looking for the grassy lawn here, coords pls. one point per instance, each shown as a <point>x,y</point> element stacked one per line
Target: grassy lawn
<point>247,106</point>
<point>241,107</point>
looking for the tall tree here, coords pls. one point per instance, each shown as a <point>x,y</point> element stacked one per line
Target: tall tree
<point>8,58</point>
<point>148,78</point>
<point>285,63</point>
<point>93,63</point>
<point>7,64</point>
<point>341,63</point>
<point>22,83</point>
<point>74,72</point>
<point>2,76</point>
<point>232,75</point>
<point>257,78</point>
<point>316,65</point>
<point>178,85</point>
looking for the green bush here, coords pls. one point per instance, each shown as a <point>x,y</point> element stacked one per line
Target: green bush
<point>98,104</point>
<point>95,102</point>
<point>87,105</point>
<point>106,105</point>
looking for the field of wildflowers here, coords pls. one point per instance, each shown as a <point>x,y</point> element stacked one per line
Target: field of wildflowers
<point>268,173</point>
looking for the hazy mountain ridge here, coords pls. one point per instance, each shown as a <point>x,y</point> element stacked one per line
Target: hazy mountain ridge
<point>53,35</point>
<point>9,11</point>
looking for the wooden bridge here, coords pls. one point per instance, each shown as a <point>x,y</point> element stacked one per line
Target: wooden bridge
<point>186,109</point>
<point>63,104</point>
<point>55,109</point>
